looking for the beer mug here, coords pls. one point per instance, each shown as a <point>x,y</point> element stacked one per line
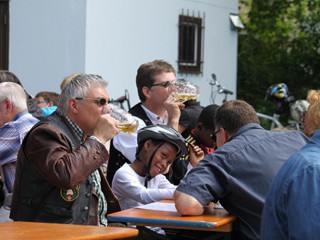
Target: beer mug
<point>128,124</point>
<point>184,91</point>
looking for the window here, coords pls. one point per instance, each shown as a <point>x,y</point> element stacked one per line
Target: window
<point>190,44</point>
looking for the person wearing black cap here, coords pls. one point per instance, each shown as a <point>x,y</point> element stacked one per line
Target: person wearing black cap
<point>142,181</point>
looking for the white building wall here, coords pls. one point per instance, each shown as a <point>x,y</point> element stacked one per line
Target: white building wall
<point>138,31</point>
<point>112,39</point>
<point>47,41</point>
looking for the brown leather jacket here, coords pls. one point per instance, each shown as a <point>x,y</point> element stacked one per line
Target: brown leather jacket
<point>52,160</point>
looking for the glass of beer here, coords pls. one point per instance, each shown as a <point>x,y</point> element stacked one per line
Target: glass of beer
<point>185,91</point>
<point>128,124</point>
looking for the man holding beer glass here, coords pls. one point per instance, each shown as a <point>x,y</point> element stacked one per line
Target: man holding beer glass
<point>58,176</point>
<point>155,84</point>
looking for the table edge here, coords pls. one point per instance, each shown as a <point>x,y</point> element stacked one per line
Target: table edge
<point>162,222</point>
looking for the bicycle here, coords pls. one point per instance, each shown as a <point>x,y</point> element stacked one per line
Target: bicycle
<point>120,100</point>
<point>284,105</point>
<point>220,90</point>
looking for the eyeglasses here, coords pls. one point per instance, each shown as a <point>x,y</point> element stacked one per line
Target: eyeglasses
<point>41,101</point>
<point>100,101</point>
<point>213,135</point>
<point>163,84</point>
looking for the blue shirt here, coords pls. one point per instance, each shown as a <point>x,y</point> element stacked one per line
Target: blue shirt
<point>11,135</point>
<point>292,209</point>
<point>48,110</point>
<point>239,173</point>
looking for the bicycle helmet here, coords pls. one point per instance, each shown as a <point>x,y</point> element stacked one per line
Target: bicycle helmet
<point>277,92</point>
<point>298,108</point>
<point>164,133</point>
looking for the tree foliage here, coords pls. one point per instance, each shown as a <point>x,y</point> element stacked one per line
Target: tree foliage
<point>280,43</point>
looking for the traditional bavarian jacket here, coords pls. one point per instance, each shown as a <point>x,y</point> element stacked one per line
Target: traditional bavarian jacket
<point>52,177</point>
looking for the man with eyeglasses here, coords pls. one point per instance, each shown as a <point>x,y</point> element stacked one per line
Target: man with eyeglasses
<point>240,171</point>
<point>58,175</point>
<point>47,101</point>
<point>154,82</point>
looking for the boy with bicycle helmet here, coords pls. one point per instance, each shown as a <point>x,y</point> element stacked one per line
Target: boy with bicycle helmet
<point>142,181</point>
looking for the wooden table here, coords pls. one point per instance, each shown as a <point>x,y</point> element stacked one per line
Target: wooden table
<point>218,220</point>
<point>48,231</point>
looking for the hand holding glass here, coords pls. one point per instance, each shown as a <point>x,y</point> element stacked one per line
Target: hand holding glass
<point>184,91</point>
<point>128,123</point>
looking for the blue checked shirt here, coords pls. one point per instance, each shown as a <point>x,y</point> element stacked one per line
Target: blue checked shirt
<point>11,136</point>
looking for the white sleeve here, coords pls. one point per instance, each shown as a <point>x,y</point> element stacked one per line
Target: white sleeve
<point>126,185</point>
<point>127,143</point>
<point>163,182</point>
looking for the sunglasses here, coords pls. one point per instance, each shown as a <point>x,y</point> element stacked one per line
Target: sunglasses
<point>163,84</point>
<point>100,101</point>
<point>213,135</point>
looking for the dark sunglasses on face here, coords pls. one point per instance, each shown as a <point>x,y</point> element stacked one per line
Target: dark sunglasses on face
<point>100,101</point>
<point>163,84</point>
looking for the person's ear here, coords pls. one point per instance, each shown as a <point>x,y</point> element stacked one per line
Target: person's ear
<point>147,144</point>
<point>73,105</point>
<point>224,135</point>
<point>199,126</point>
<point>9,105</point>
<point>146,91</point>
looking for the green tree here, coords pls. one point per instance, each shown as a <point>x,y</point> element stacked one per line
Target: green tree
<point>280,43</point>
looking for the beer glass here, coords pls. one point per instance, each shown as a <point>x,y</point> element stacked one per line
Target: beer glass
<point>184,91</point>
<point>128,124</point>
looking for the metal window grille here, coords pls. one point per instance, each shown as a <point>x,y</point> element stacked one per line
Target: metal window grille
<point>190,44</point>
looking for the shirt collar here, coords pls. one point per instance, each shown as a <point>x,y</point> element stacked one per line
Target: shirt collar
<point>76,129</point>
<point>155,119</point>
<point>20,114</point>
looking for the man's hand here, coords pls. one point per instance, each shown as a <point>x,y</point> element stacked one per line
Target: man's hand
<point>106,128</point>
<point>173,108</point>
<point>195,155</point>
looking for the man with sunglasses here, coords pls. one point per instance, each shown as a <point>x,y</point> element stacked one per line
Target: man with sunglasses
<point>154,82</point>
<point>240,171</point>
<point>58,175</point>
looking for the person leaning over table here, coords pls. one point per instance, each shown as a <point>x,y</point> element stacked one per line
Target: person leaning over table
<point>292,209</point>
<point>58,178</point>
<point>240,171</point>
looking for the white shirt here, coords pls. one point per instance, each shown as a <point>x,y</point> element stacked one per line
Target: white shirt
<point>127,143</point>
<point>129,187</point>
